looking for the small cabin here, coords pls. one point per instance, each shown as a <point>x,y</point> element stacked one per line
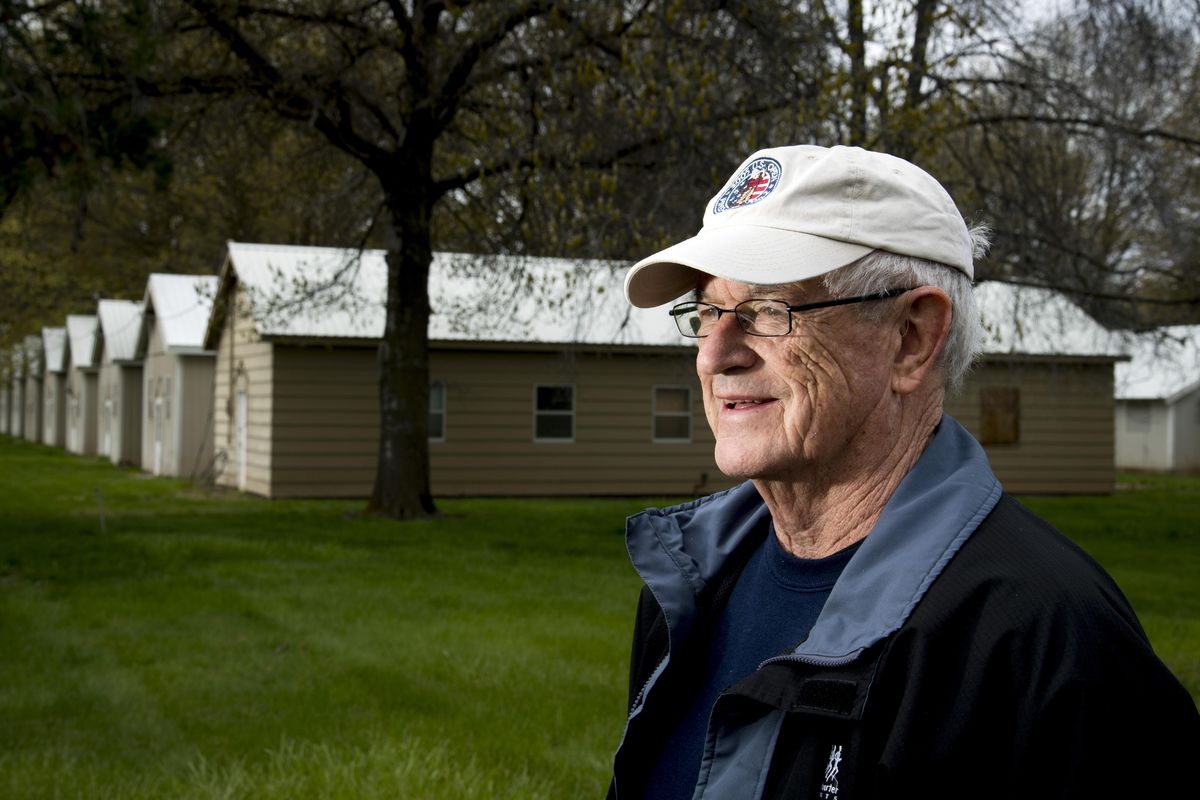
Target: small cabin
<point>1158,402</point>
<point>119,404</point>
<point>54,386</point>
<point>542,380</point>
<point>83,378</point>
<point>177,375</point>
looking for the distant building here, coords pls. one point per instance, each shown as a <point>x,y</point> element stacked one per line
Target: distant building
<point>557,386</point>
<point>33,388</point>
<point>54,386</point>
<point>83,378</point>
<point>177,384</point>
<point>119,425</point>
<point>16,400</point>
<point>571,394</point>
<point>1158,402</point>
<point>1040,399</point>
<point>6,370</point>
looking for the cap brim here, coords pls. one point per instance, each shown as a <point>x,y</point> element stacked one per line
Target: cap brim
<point>744,253</point>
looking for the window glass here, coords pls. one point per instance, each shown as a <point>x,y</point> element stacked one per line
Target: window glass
<point>672,413</point>
<point>554,413</point>
<point>437,411</point>
<point>1000,415</point>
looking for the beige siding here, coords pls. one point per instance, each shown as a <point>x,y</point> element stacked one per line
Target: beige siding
<point>180,388</point>
<point>33,408</point>
<point>119,410</point>
<point>106,409</point>
<point>1159,436</point>
<point>1143,429</point>
<point>489,446</point>
<point>129,416</point>
<point>16,408</point>
<point>1066,424</point>
<point>313,422</point>
<point>194,429</point>
<point>82,390</point>
<point>325,413</point>
<point>54,413</point>
<point>244,363</point>
<point>1186,455</point>
<point>157,370</point>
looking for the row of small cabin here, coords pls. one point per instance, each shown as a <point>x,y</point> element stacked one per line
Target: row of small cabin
<point>542,381</point>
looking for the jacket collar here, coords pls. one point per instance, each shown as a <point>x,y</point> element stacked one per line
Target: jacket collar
<point>680,551</point>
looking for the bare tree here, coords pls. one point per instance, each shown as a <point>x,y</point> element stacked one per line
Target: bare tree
<point>471,117</point>
<point>1080,144</point>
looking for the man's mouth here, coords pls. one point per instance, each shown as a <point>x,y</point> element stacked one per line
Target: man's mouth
<point>733,405</point>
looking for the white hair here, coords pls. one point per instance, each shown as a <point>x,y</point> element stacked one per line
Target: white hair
<point>880,270</point>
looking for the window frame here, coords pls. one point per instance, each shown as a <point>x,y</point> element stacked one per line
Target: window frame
<point>655,414</point>
<point>538,413</point>
<point>441,411</point>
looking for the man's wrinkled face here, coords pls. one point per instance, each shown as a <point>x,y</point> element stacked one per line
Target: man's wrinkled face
<point>782,407</point>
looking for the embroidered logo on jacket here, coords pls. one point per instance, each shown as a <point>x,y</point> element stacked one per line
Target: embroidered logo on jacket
<point>829,787</point>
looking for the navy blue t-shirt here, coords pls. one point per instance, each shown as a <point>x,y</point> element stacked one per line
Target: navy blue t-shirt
<point>771,609</point>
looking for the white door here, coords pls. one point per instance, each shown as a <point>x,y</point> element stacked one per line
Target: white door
<point>106,444</point>
<point>240,423</point>
<point>158,435</point>
<point>48,414</point>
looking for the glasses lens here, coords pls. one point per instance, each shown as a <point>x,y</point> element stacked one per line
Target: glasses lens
<point>687,319</point>
<point>764,317</point>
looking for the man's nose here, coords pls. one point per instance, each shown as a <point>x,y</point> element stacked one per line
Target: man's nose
<point>726,347</point>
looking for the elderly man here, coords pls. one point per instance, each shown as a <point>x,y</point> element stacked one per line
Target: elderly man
<point>869,614</point>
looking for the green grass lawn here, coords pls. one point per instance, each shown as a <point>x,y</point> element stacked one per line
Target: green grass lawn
<point>158,641</point>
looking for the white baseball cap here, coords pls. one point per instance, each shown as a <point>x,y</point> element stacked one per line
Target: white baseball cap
<point>792,213</point>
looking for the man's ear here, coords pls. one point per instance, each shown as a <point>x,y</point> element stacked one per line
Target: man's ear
<point>923,330</point>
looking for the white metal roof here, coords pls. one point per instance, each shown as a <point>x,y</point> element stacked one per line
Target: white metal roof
<point>293,292</point>
<point>181,304</point>
<point>472,298</point>
<point>120,323</point>
<point>54,344</point>
<point>81,339</point>
<point>1034,321</point>
<point>1165,364</point>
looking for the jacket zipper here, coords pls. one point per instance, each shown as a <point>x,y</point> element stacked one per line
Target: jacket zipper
<point>812,661</point>
<point>641,695</point>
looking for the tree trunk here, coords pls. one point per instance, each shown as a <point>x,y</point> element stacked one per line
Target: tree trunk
<point>402,485</point>
<point>859,80</point>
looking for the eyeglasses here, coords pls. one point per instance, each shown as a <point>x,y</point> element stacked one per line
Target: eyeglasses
<point>758,317</point>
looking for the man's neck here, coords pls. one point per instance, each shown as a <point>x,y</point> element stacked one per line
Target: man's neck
<point>838,505</point>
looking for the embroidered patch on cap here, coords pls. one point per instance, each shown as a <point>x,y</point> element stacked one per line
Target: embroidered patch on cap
<point>756,180</point>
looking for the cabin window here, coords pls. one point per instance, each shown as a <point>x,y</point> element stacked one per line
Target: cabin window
<point>554,413</point>
<point>1000,415</point>
<point>671,411</point>
<point>437,412</point>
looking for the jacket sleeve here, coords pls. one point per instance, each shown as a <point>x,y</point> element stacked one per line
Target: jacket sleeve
<point>1135,735</point>
<point>1024,672</point>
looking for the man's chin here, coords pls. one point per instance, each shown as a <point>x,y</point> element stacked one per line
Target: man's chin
<point>739,466</point>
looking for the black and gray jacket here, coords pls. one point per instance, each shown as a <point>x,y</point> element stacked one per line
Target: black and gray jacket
<point>968,650</point>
